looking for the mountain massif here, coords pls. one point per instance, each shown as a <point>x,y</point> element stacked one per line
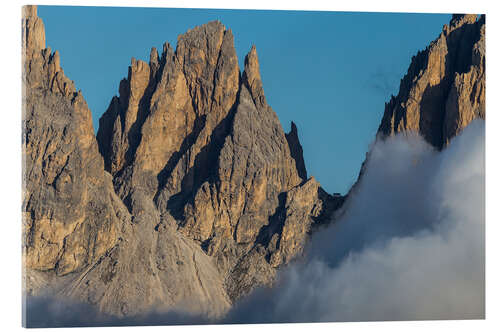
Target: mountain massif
<point>444,88</point>
<point>191,194</point>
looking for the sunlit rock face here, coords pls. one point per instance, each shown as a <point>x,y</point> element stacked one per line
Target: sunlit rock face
<point>195,141</point>
<point>444,89</point>
<point>71,215</point>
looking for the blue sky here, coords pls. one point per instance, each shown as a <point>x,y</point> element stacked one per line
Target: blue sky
<point>329,72</point>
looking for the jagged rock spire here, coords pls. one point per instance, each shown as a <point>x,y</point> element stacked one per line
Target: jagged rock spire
<point>33,31</point>
<point>211,156</point>
<point>251,77</point>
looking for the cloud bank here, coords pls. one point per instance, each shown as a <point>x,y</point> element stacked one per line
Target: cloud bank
<point>49,311</point>
<point>409,246</point>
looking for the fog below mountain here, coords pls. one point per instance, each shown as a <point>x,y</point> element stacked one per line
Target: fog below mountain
<point>409,246</point>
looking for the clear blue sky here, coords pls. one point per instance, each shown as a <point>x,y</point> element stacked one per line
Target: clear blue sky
<point>329,72</point>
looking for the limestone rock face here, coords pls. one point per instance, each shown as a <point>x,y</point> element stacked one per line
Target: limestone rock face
<point>152,268</point>
<point>70,214</point>
<point>444,89</point>
<point>190,196</point>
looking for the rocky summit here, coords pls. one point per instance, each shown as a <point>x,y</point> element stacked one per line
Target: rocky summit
<point>444,88</point>
<point>189,197</point>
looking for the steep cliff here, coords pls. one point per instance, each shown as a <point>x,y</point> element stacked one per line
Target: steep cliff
<point>444,88</point>
<point>191,196</point>
<point>71,215</point>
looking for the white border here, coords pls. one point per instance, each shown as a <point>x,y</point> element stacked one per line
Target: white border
<point>10,141</point>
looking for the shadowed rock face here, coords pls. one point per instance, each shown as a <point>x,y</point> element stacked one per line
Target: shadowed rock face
<point>444,89</point>
<point>296,150</point>
<point>191,196</point>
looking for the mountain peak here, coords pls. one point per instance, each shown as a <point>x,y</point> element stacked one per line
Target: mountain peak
<point>29,11</point>
<point>33,31</point>
<point>202,151</point>
<point>444,88</point>
<point>251,77</point>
